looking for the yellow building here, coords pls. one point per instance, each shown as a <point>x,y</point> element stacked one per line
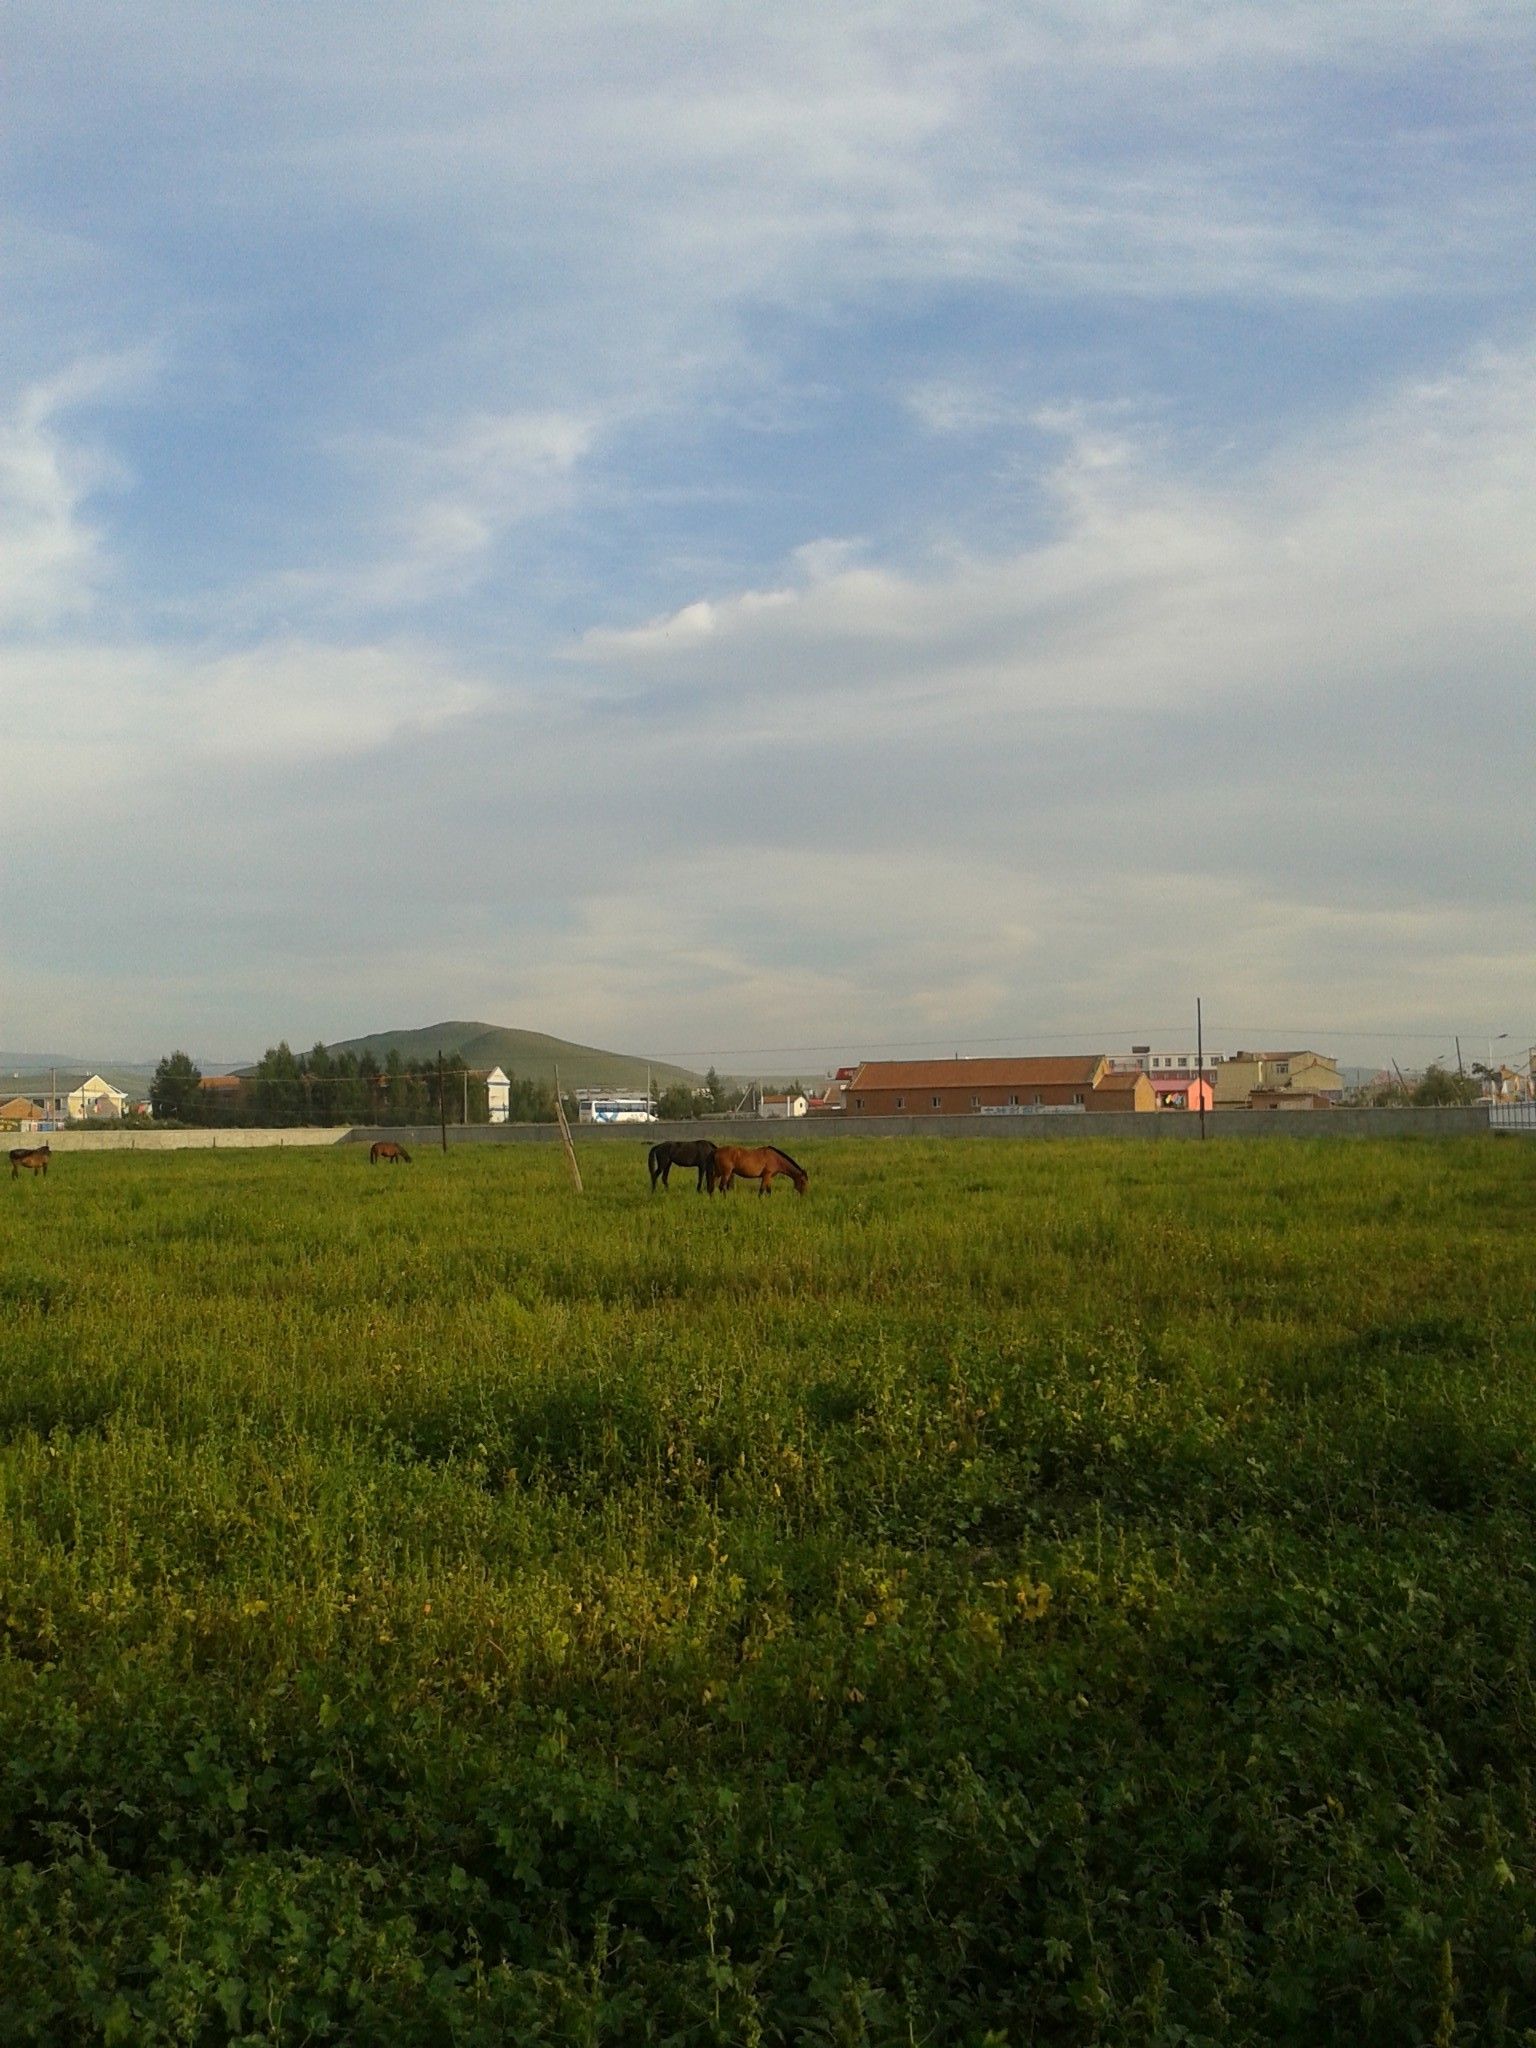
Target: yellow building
<point>1289,1073</point>
<point>1123,1092</point>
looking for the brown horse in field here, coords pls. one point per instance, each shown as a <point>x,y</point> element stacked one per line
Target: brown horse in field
<point>757,1162</point>
<point>33,1157</point>
<point>386,1148</point>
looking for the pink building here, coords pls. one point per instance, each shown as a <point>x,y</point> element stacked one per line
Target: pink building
<point>1181,1091</point>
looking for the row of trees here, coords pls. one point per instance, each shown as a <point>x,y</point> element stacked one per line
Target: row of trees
<point>322,1087</point>
<point>678,1103</point>
<point>1436,1088</point>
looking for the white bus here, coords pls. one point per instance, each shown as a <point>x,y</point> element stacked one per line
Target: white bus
<point>607,1106</point>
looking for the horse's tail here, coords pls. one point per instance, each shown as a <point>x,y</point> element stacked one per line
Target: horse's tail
<point>654,1161</point>
<point>793,1164</point>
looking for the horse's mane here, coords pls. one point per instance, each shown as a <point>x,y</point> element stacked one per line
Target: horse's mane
<point>779,1149</point>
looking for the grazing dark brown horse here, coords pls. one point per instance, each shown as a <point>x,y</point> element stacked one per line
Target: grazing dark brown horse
<point>386,1148</point>
<point>33,1157</point>
<point>759,1163</point>
<point>672,1152</point>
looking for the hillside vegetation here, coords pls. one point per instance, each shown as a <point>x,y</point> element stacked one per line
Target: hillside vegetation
<point>1074,1594</point>
<point>529,1055</point>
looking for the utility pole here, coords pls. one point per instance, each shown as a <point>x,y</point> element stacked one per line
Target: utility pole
<point>1199,1063</point>
<point>466,1095</point>
<point>442,1100</point>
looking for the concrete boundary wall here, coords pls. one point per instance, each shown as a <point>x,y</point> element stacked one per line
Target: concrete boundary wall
<point>1171,1126</point>
<point>181,1141</point>
<point>1174,1126</point>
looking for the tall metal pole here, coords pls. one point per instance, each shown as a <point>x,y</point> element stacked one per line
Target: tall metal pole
<point>1200,1064</point>
<point>442,1099</point>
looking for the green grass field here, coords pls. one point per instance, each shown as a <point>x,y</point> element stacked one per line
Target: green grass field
<point>1021,1593</point>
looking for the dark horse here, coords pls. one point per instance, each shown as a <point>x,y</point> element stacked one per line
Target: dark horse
<point>33,1157</point>
<point>699,1152</point>
<point>386,1148</point>
<point>759,1163</point>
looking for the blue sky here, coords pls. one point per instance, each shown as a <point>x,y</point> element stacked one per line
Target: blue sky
<point>702,530</point>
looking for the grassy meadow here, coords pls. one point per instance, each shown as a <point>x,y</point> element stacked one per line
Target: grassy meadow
<point>1075,1592</point>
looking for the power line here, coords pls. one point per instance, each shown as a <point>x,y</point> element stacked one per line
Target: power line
<point>1265,1032</point>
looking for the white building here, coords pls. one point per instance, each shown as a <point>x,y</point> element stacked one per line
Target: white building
<point>94,1101</point>
<point>783,1105</point>
<point>1152,1060</point>
<point>498,1095</point>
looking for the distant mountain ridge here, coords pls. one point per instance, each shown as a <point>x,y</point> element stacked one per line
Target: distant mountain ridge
<point>525,1055</point>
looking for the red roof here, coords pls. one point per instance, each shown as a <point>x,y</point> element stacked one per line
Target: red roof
<point>1072,1070</point>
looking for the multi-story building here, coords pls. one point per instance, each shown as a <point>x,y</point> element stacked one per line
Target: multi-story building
<point>1154,1060</point>
<point>1293,1073</point>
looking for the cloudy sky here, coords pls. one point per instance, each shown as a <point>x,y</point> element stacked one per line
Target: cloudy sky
<point>734,531</point>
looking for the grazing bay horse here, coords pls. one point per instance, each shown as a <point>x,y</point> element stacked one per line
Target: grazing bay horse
<point>386,1148</point>
<point>699,1152</point>
<point>759,1163</point>
<point>33,1157</point>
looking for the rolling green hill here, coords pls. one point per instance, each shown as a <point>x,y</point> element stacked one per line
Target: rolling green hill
<point>530,1055</point>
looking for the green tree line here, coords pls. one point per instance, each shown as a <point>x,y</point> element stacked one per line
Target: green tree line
<point>322,1087</point>
<point>1436,1088</point>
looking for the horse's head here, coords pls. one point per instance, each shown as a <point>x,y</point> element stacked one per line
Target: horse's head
<point>801,1180</point>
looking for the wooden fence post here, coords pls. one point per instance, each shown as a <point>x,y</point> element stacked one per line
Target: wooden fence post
<point>565,1134</point>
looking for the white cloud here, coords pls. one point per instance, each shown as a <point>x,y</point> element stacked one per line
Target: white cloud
<point>51,558</point>
<point>1211,738</point>
<point>1396,539</point>
<point>898,784</point>
<point>1118,148</point>
<point>440,507</point>
<point>108,718</point>
<point>693,624</point>
<point>967,405</point>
